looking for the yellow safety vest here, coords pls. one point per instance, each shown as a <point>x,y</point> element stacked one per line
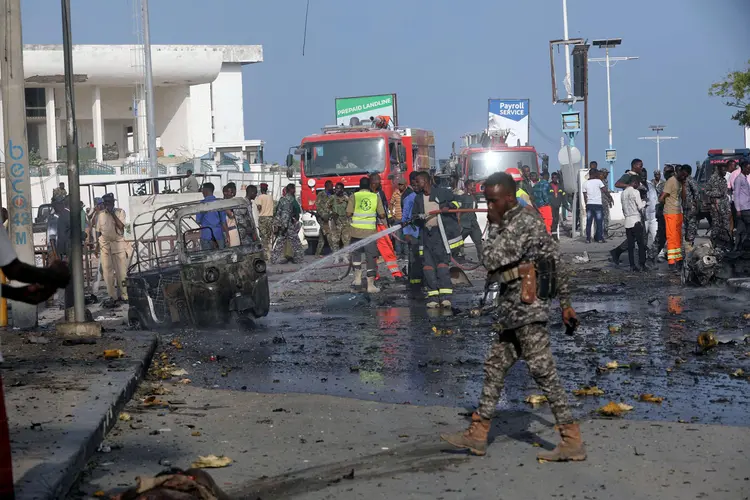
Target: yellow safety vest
<point>365,210</point>
<point>520,193</point>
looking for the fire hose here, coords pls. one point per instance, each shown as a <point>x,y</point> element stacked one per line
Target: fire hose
<point>404,223</point>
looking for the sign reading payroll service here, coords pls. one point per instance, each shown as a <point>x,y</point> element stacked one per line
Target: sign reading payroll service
<point>513,115</point>
<point>365,107</point>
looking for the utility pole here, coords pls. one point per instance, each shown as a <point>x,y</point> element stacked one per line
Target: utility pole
<point>606,44</point>
<point>78,327</point>
<point>150,121</point>
<point>17,175</point>
<point>658,138</point>
<point>568,83</point>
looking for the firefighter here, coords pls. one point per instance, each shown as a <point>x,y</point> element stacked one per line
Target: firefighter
<point>363,209</point>
<point>438,235</point>
<point>411,233</point>
<point>110,230</point>
<point>385,245</point>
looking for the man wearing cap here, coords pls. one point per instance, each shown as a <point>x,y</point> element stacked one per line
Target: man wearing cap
<point>112,247</point>
<point>265,218</point>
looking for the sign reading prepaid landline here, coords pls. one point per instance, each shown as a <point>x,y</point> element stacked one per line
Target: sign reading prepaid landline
<point>512,115</point>
<point>365,107</point>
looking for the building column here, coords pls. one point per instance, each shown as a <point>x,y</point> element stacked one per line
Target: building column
<point>96,116</point>
<point>2,136</point>
<point>51,124</point>
<point>747,137</point>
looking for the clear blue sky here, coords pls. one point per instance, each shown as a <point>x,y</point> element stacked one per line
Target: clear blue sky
<point>445,58</point>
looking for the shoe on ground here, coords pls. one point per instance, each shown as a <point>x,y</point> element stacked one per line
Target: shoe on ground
<point>445,304</point>
<point>570,448</point>
<point>474,438</point>
<point>433,304</point>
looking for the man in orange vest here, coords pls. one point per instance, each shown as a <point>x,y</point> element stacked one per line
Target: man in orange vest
<point>385,245</point>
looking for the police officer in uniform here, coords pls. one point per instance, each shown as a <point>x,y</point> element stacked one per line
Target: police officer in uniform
<point>363,209</point>
<point>523,261</point>
<point>438,235</point>
<point>110,230</point>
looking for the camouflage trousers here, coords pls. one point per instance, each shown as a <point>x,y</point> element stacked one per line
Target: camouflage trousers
<point>339,234</point>
<point>605,220</point>
<point>265,226</point>
<point>530,343</point>
<point>691,226</point>
<point>325,235</point>
<point>289,236</point>
<point>721,214</point>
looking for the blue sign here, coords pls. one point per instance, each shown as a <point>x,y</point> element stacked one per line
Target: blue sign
<point>512,116</point>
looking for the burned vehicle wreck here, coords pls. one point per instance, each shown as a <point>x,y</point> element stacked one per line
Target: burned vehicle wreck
<point>183,273</point>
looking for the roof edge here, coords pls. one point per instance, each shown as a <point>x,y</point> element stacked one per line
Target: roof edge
<point>242,54</point>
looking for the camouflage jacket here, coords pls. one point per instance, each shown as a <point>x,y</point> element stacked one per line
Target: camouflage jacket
<point>717,188</point>
<point>323,205</point>
<point>284,217</point>
<point>692,196</point>
<point>338,208</point>
<point>522,237</point>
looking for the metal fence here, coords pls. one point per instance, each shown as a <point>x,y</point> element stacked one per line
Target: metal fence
<point>183,167</point>
<point>142,167</point>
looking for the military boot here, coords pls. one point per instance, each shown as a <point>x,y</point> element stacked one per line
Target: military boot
<point>357,278</point>
<point>445,304</point>
<point>371,288</point>
<point>474,438</point>
<point>570,447</point>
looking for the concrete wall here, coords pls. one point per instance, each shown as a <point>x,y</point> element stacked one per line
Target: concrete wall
<point>172,119</point>
<point>201,126</point>
<point>226,96</point>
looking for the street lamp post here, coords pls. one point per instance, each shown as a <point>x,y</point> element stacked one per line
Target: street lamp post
<point>658,138</point>
<point>606,44</point>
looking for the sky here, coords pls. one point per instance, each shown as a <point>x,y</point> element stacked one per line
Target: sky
<point>445,58</point>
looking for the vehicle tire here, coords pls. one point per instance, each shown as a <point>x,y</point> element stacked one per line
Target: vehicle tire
<point>134,320</point>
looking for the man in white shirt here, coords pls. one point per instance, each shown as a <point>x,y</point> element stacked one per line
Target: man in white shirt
<point>632,205</point>
<point>652,223</point>
<point>593,192</point>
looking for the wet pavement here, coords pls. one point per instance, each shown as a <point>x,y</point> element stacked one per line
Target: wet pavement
<point>391,349</point>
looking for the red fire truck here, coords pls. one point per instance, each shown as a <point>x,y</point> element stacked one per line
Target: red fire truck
<point>346,154</point>
<point>483,154</point>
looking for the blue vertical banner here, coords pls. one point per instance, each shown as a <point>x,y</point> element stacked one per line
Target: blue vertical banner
<point>511,115</point>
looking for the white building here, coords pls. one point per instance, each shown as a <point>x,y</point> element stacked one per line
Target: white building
<point>197,98</point>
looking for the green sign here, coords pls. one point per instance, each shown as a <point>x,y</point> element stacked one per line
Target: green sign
<point>365,107</point>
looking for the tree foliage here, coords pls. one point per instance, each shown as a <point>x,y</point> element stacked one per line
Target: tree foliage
<point>735,90</point>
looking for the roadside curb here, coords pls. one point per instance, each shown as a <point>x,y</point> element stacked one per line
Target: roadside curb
<point>39,484</point>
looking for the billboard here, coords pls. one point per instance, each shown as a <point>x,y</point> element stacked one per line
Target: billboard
<point>364,107</point>
<point>512,115</point>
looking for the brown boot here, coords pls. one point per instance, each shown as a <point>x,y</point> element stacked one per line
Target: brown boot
<point>570,447</point>
<point>474,438</point>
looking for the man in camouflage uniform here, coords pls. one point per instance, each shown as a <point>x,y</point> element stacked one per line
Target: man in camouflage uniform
<point>607,202</point>
<point>323,216</point>
<point>721,212</point>
<point>284,227</point>
<point>690,208</point>
<point>517,241</point>
<point>339,221</point>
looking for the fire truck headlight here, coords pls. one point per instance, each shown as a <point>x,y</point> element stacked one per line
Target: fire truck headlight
<point>311,183</point>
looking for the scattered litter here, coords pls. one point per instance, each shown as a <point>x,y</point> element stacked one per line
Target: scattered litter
<point>103,448</point>
<point>279,340</point>
<point>350,475</point>
<point>113,353</point>
<point>176,344</point>
<point>614,329</point>
<point>582,259</point>
<point>541,460</point>
<point>125,417</point>
<point>679,361</point>
<point>612,365</point>
<point>99,493</point>
<point>181,372</point>
<point>403,435</point>
<point>185,381</point>
<point>165,463</point>
<point>440,332</point>
<point>151,401</point>
<point>588,391</point>
<point>536,399</point>
<point>195,433</point>
<point>739,372</point>
<point>385,448</point>
<point>166,429</point>
<point>613,409</point>
<point>674,304</point>
<point>280,410</point>
<point>746,316</point>
<point>211,462</point>
<point>650,398</point>
<point>706,340</point>
<point>106,318</point>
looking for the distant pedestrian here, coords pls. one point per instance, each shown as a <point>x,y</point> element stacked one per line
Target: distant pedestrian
<point>265,218</point>
<point>468,220</point>
<point>251,193</point>
<point>558,200</point>
<point>661,233</point>
<point>741,190</point>
<point>190,183</point>
<point>323,216</point>
<point>632,206</point>
<point>411,234</point>
<point>650,219</point>
<point>394,209</point>
<point>691,208</point>
<point>593,194</point>
<point>59,191</point>
<point>542,196</point>
<point>607,201</point>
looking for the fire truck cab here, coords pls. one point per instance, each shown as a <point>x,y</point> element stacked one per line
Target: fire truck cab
<point>346,154</point>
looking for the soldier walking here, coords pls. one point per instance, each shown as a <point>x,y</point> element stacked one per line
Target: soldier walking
<point>284,224</point>
<point>523,259</point>
<point>721,212</point>
<point>690,208</point>
<point>339,220</point>
<point>323,216</point>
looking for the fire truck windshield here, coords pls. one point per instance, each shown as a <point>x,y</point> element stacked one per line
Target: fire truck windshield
<point>344,157</point>
<point>484,164</point>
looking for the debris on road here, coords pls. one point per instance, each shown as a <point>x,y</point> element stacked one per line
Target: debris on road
<point>582,259</point>
<point>650,398</point>
<point>211,462</point>
<point>614,329</point>
<point>738,373</point>
<point>125,417</point>
<point>613,409</point>
<point>588,391</point>
<point>536,399</point>
<point>113,353</point>
<point>152,401</point>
